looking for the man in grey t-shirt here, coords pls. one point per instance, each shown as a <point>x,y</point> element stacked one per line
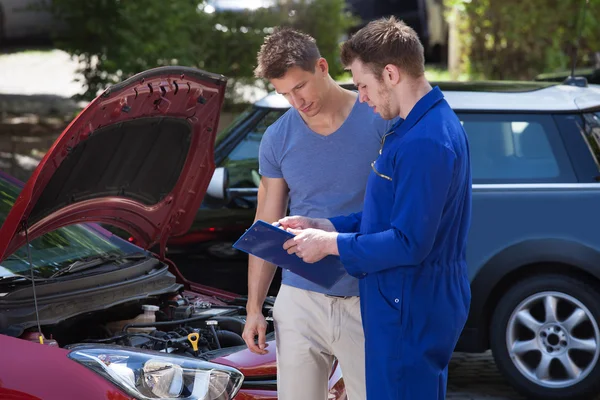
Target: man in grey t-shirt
<point>317,156</point>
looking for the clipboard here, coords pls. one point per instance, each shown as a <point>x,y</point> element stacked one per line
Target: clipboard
<point>265,241</point>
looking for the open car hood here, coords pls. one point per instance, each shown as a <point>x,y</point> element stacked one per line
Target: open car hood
<point>139,157</point>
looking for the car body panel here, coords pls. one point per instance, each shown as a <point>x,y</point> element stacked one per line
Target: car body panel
<point>558,98</point>
<point>50,374</point>
<point>107,165</point>
<point>540,241</point>
<point>251,364</point>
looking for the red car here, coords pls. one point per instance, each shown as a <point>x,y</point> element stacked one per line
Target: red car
<point>85,314</point>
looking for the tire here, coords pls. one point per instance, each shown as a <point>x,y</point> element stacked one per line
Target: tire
<point>553,341</point>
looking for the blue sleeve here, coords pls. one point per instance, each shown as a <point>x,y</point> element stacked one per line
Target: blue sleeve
<point>347,223</point>
<point>268,164</point>
<point>421,179</point>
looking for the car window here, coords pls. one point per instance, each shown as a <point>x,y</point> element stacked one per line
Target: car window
<point>58,248</point>
<point>242,161</point>
<point>515,149</point>
<point>591,132</point>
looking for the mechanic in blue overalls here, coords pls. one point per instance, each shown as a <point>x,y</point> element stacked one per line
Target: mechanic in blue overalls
<point>407,247</point>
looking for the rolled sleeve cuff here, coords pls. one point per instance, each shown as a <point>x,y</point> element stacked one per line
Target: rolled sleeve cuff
<point>344,242</point>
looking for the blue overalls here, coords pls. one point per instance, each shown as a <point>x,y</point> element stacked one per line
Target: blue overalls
<point>407,248</point>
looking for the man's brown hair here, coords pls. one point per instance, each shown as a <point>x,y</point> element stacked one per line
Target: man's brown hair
<point>386,41</point>
<point>283,49</point>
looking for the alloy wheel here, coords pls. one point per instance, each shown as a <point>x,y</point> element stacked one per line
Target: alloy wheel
<point>553,339</point>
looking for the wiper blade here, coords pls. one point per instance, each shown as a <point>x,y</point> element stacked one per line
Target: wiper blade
<point>95,261</point>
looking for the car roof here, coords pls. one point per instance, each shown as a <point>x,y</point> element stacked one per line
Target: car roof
<point>514,96</point>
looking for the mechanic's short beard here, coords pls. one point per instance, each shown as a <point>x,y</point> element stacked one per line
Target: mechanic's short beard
<point>385,106</point>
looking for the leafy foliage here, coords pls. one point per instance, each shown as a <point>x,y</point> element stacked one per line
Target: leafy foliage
<point>326,20</point>
<point>514,39</point>
<point>114,39</point>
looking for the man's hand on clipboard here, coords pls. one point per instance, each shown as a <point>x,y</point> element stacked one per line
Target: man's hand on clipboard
<point>315,238</point>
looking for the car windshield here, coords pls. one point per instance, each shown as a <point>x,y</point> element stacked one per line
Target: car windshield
<point>242,159</point>
<point>60,248</point>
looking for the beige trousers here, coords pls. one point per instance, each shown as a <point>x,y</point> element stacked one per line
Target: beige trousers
<point>311,331</point>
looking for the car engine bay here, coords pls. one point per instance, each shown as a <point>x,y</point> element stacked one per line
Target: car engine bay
<point>138,306</point>
<point>183,324</point>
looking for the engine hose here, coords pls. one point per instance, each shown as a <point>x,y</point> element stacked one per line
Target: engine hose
<point>230,324</point>
<point>230,339</point>
<point>214,332</point>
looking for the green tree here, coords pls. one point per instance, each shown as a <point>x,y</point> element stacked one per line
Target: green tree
<point>114,39</point>
<point>514,39</point>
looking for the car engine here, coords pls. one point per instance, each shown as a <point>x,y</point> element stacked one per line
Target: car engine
<point>179,324</point>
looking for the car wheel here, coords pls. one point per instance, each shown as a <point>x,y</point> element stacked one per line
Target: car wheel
<point>545,337</point>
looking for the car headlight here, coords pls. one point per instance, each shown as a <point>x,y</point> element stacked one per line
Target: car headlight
<point>152,375</point>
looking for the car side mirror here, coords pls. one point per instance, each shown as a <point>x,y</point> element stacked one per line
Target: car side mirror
<point>217,187</point>
<point>219,193</point>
